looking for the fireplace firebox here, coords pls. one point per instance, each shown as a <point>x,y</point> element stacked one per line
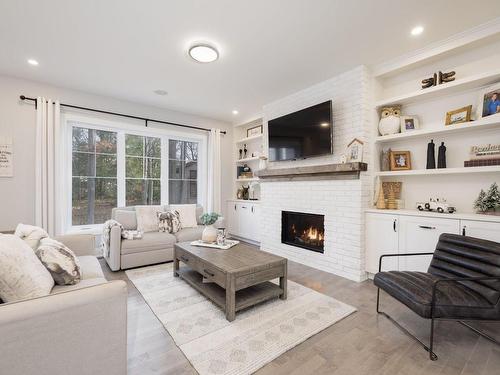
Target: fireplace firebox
<point>303,230</point>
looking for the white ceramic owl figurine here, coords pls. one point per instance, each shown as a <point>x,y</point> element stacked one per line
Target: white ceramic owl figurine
<point>390,120</point>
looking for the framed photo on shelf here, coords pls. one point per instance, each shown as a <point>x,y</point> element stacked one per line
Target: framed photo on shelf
<point>409,123</point>
<point>489,101</point>
<point>400,160</point>
<point>256,130</point>
<point>458,116</point>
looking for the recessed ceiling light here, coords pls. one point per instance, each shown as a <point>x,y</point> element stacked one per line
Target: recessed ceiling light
<point>325,124</point>
<point>417,30</point>
<point>235,112</point>
<point>203,53</point>
<point>160,92</point>
<point>33,62</point>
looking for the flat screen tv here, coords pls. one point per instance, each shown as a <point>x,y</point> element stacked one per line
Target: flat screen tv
<point>302,134</point>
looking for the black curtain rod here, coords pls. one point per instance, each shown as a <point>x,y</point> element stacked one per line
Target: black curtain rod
<point>146,120</point>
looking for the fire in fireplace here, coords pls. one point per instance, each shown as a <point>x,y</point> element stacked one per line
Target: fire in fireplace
<point>303,230</point>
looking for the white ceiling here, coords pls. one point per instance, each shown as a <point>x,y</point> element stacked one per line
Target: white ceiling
<point>268,48</point>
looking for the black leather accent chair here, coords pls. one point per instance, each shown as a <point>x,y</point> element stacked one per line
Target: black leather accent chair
<point>462,283</point>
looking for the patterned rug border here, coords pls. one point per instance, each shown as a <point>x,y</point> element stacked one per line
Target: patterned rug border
<point>254,365</point>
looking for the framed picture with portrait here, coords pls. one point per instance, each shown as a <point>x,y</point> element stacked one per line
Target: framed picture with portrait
<point>400,160</point>
<point>409,123</point>
<point>489,101</point>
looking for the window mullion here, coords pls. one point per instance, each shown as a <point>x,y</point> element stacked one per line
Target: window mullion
<point>120,169</point>
<point>164,177</point>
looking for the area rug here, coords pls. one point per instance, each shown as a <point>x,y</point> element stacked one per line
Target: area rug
<point>257,335</point>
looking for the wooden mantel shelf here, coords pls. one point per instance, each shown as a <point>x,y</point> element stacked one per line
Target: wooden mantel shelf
<point>346,171</point>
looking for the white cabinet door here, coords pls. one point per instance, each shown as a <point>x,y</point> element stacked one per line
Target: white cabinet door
<point>420,235</point>
<point>481,229</point>
<point>232,218</point>
<point>255,223</point>
<point>381,237</point>
<point>245,220</point>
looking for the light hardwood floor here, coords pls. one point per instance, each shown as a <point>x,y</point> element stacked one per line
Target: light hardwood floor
<point>363,343</point>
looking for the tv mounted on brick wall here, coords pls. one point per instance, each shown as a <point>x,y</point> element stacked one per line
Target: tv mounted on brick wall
<point>302,134</point>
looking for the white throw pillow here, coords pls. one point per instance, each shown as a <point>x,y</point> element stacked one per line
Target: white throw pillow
<point>22,275</point>
<point>187,213</point>
<point>60,261</point>
<point>30,234</point>
<point>147,219</point>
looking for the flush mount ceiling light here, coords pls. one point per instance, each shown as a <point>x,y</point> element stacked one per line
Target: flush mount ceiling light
<point>33,62</point>
<point>203,53</point>
<point>235,112</point>
<point>325,124</point>
<point>417,30</point>
<point>160,92</point>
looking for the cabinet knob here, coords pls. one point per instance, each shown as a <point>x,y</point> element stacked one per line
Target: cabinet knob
<point>252,209</point>
<point>463,230</point>
<point>394,224</point>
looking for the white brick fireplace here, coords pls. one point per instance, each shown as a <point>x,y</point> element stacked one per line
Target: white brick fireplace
<point>342,201</point>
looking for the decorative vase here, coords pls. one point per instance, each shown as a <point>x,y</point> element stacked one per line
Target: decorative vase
<point>209,234</point>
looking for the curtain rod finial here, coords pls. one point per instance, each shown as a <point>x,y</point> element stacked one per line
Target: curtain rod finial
<point>22,97</point>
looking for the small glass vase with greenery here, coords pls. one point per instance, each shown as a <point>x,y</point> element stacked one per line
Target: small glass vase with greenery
<point>210,232</point>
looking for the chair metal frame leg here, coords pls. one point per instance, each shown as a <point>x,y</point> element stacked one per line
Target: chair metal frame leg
<point>480,333</point>
<point>432,355</point>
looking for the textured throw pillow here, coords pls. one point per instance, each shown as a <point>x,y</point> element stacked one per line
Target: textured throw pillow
<point>169,221</point>
<point>147,219</point>
<point>22,275</point>
<point>187,213</point>
<point>30,234</point>
<point>60,261</point>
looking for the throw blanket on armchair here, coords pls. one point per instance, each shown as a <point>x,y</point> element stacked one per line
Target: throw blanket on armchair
<point>106,230</point>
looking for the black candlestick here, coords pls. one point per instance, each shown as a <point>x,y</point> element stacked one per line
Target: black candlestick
<point>431,155</point>
<point>442,156</point>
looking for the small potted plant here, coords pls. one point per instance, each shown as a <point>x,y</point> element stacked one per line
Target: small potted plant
<point>488,202</point>
<point>210,232</point>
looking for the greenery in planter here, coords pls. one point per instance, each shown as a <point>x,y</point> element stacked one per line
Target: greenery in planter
<point>488,201</point>
<point>209,218</point>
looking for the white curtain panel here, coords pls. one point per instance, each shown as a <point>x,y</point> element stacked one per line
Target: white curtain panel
<point>214,172</point>
<point>48,134</point>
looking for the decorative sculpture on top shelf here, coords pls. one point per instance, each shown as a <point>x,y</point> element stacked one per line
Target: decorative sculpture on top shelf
<point>431,155</point>
<point>442,156</point>
<point>438,79</point>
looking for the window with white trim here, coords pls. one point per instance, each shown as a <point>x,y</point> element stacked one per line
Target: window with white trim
<point>113,167</point>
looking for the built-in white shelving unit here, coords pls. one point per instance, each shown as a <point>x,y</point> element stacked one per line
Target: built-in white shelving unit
<point>459,85</point>
<point>246,160</point>
<point>471,126</point>
<point>442,171</point>
<point>247,179</point>
<point>250,139</point>
<point>473,56</point>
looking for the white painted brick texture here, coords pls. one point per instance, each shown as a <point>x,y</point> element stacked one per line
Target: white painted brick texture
<point>341,201</point>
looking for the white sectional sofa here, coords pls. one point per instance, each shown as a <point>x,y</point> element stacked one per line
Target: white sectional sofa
<point>154,247</point>
<point>77,329</point>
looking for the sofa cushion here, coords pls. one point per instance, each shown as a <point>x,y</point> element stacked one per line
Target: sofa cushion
<point>60,261</point>
<point>127,218</point>
<point>187,213</point>
<point>189,234</point>
<point>90,268</point>
<point>81,284</point>
<point>414,289</point>
<point>169,221</point>
<point>30,234</point>
<point>150,241</point>
<point>147,218</point>
<point>22,275</point>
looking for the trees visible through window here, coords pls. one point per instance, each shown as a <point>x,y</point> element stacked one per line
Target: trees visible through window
<point>183,172</point>
<point>94,184</point>
<point>142,170</point>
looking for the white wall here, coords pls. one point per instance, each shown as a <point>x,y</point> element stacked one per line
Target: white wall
<point>17,120</point>
<point>341,201</point>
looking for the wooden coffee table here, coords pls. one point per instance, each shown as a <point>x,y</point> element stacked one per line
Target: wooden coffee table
<point>239,277</point>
